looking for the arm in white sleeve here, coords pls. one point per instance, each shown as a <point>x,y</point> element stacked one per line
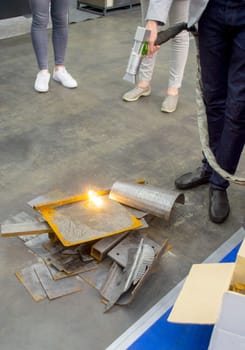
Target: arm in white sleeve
<point>158,11</point>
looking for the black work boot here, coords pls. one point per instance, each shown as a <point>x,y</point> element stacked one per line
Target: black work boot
<point>219,207</point>
<point>192,179</point>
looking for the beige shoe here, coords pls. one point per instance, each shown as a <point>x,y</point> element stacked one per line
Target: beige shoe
<point>170,103</point>
<point>135,93</point>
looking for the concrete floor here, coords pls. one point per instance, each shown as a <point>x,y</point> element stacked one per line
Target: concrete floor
<point>68,139</point>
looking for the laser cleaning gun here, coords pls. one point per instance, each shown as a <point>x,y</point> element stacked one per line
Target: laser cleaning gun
<point>140,47</point>
<point>138,50</point>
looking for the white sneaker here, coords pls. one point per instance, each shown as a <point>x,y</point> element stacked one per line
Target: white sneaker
<point>62,76</point>
<point>42,81</point>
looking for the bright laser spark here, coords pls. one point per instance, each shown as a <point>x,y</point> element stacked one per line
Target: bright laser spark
<point>94,198</point>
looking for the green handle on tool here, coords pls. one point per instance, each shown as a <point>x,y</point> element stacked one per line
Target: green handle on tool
<point>144,50</point>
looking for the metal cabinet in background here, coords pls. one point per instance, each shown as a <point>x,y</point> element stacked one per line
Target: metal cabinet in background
<point>14,8</point>
<point>105,5</point>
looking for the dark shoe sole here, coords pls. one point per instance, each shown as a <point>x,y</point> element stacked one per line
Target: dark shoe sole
<point>216,220</point>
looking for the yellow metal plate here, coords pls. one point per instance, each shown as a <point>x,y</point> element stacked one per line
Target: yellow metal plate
<point>76,220</point>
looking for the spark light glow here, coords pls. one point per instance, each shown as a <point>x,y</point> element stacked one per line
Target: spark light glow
<point>95,199</point>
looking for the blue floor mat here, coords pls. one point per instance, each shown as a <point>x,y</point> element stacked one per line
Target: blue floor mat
<point>163,335</point>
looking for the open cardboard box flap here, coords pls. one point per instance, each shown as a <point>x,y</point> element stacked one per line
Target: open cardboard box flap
<point>200,299</point>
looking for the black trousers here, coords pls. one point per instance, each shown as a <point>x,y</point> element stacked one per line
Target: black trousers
<point>222,57</point>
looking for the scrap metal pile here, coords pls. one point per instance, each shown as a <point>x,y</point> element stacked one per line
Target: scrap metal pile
<point>99,237</point>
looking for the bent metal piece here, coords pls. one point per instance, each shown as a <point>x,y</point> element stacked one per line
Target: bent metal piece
<point>114,288</point>
<point>127,297</point>
<point>153,200</point>
<point>119,279</point>
<point>119,253</point>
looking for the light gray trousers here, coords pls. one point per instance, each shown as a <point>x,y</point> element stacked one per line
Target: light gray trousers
<point>39,34</point>
<point>179,46</point>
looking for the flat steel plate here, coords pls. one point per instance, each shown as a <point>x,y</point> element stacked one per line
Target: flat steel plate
<point>29,279</point>
<point>77,220</point>
<point>59,288</point>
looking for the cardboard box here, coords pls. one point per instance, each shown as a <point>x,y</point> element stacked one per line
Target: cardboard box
<point>200,299</point>
<point>229,330</point>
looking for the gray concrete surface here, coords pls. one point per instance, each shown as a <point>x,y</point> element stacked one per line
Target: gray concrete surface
<point>69,139</point>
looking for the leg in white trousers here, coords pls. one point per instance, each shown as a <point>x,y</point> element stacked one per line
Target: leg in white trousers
<point>179,46</point>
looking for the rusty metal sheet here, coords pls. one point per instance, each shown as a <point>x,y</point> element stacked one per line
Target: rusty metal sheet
<point>144,223</point>
<point>81,222</point>
<point>20,218</point>
<point>36,245</point>
<point>24,228</point>
<point>59,288</point>
<point>110,278</point>
<point>139,214</point>
<point>53,246</point>
<point>150,199</point>
<point>57,275</point>
<point>84,252</point>
<point>116,280</point>
<point>70,265</point>
<point>55,195</point>
<point>129,296</point>
<point>114,285</point>
<point>120,252</point>
<point>118,288</point>
<point>29,279</point>
<point>103,246</point>
<point>56,253</point>
<point>96,278</point>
